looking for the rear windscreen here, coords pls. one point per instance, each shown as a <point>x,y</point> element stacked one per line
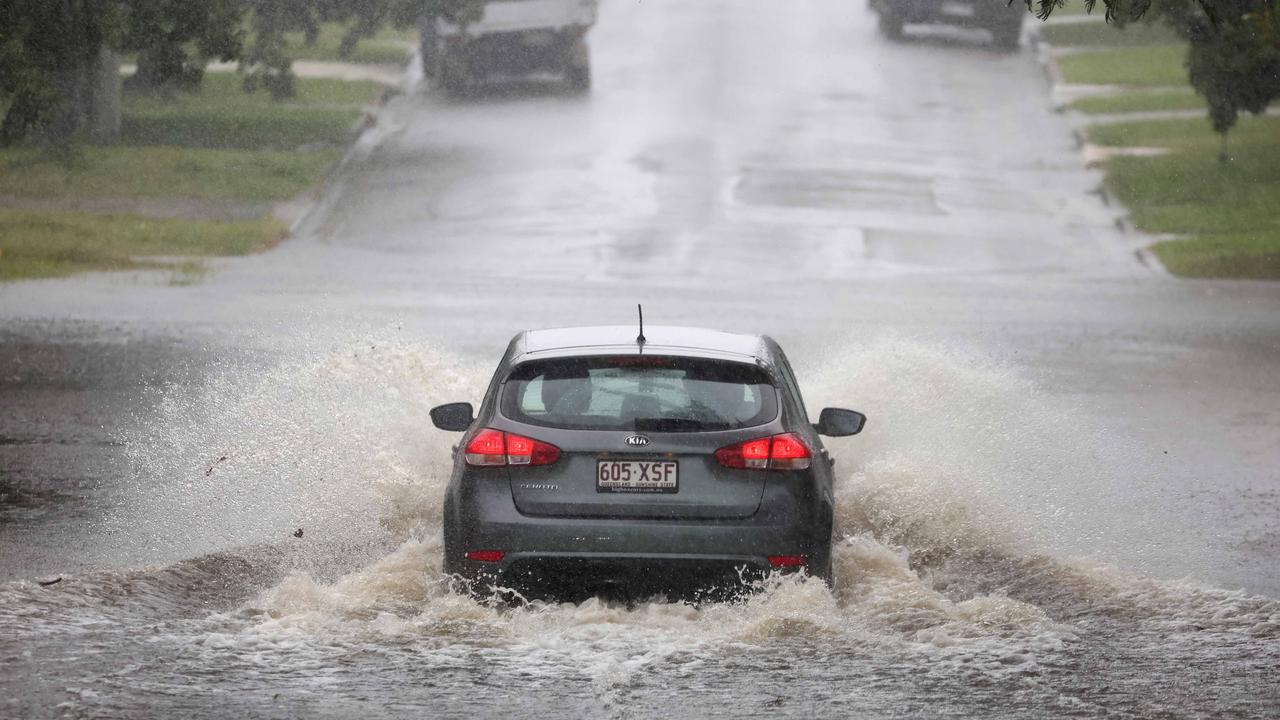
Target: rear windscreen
<point>659,394</point>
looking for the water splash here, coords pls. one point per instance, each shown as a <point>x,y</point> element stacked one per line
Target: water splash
<point>957,513</point>
<point>965,453</point>
<point>338,445</point>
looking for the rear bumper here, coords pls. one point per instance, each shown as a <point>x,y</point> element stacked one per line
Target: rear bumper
<point>516,53</point>
<point>564,554</point>
<point>576,576</point>
<point>985,13</point>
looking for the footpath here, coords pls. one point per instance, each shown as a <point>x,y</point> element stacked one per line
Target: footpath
<point>1139,121</point>
<point>214,172</point>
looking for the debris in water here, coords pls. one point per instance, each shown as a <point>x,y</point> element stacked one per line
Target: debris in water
<point>297,533</point>
<point>47,583</point>
<point>209,472</point>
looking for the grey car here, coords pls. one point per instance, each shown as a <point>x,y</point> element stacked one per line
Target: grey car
<point>1002,19</point>
<point>604,461</point>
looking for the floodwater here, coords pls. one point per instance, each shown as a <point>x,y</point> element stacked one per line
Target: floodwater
<point>1066,503</point>
<point>1003,571</point>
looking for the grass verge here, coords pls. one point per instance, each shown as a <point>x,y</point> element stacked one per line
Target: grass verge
<point>1139,102</point>
<point>1228,209</point>
<point>1250,133</point>
<point>47,244</point>
<point>1096,34</point>
<point>1141,66</point>
<point>222,115</point>
<point>388,47</point>
<point>1243,256</point>
<point>218,144</point>
<point>154,172</point>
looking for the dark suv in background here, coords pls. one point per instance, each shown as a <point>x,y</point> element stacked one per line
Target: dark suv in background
<point>1002,19</point>
<point>601,462</point>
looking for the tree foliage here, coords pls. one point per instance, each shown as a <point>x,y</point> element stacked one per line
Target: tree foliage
<point>175,39</point>
<point>1234,60</point>
<point>265,62</point>
<point>1233,56</point>
<point>51,49</point>
<point>48,49</point>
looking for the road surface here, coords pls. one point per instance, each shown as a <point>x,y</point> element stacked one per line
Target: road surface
<point>1068,488</point>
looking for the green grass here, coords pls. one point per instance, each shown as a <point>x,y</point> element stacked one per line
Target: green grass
<point>222,115</point>
<point>164,172</point>
<point>1107,34</point>
<point>1229,208</point>
<point>1245,256</point>
<point>388,47</point>
<point>44,244</point>
<point>1188,133</point>
<point>1151,65</point>
<point>1140,102</point>
<point>310,92</point>
<point>216,144</point>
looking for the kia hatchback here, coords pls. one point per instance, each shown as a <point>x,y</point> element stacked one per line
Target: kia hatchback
<point>672,462</point>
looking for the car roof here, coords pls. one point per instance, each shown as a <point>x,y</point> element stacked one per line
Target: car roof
<point>659,339</point>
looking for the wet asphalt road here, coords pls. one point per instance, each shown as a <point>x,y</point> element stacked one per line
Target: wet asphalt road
<point>899,215</point>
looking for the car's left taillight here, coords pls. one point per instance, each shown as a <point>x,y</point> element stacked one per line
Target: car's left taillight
<point>494,447</point>
<point>776,452</point>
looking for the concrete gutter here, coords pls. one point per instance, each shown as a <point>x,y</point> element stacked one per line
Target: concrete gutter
<point>1094,155</point>
<point>365,137</point>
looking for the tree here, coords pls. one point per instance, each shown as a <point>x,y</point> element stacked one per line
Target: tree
<point>267,65</point>
<point>175,39</point>
<point>51,51</point>
<point>1234,61</point>
<point>58,73</point>
<point>58,70</point>
<point>1233,58</point>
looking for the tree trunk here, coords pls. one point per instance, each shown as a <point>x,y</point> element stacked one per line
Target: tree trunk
<point>103,112</point>
<point>24,114</point>
<point>90,102</point>
<point>72,85</point>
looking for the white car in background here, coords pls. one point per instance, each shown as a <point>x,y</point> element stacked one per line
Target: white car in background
<point>511,38</point>
<point>1002,19</point>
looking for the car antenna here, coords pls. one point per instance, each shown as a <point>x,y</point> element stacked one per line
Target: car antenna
<point>640,338</point>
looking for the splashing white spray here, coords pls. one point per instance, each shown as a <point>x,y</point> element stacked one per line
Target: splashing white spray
<point>962,457</point>
<point>340,446</point>
<point>963,453</point>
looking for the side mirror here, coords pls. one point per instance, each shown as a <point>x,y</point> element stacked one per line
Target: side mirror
<point>838,422</point>
<point>454,417</point>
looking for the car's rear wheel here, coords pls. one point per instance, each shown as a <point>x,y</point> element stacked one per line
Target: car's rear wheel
<point>891,25</point>
<point>1006,36</point>
<point>455,76</point>
<point>578,78</point>
<point>577,74</point>
<point>821,568</point>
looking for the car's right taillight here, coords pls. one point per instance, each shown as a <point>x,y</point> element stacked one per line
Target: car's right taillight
<point>778,452</point>
<point>494,447</point>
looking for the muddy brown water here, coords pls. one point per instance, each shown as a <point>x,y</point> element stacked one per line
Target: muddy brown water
<point>1017,576</point>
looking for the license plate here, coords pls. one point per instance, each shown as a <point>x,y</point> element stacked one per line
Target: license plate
<point>957,9</point>
<point>637,476</point>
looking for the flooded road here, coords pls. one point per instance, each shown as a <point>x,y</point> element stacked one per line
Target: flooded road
<point>1013,570</point>
<point>1066,503</point>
